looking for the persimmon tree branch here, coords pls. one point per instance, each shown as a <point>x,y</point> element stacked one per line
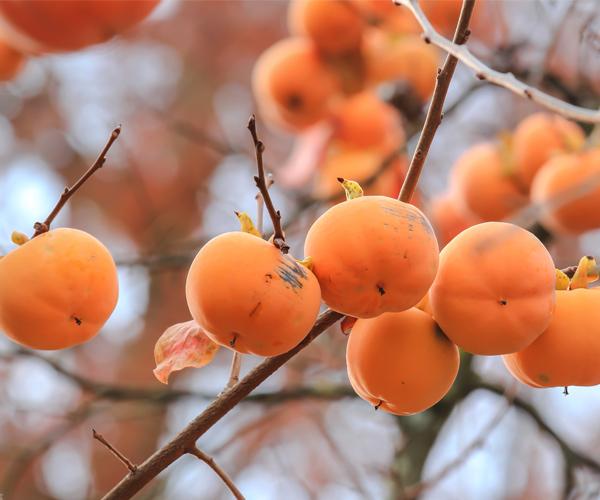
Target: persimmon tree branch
<point>505,80</point>
<point>186,439</point>
<point>434,113</point>
<point>122,458</point>
<point>261,184</point>
<point>42,227</point>
<point>210,461</point>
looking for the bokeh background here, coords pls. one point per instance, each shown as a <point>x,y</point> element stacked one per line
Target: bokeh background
<point>179,84</point>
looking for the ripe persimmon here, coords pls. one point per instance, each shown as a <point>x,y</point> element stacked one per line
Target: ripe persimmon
<point>365,121</point>
<point>293,85</point>
<point>388,16</point>
<point>539,137</point>
<point>483,183</point>
<point>567,352</point>
<point>568,191</point>
<point>38,26</point>
<point>409,58</point>
<point>449,218</point>
<point>335,26</point>
<point>401,362</point>
<point>11,61</point>
<point>57,289</point>
<point>361,165</point>
<point>250,297</point>
<point>372,255</point>
<point>494,290</point>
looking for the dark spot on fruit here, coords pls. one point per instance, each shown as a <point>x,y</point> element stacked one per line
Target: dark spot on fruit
<point>378,405</point>
<point>543,377</point>
<point>77,320</point>
<point>255,309</point>
<point>291,272</point>
<point>503,302</point>
<point>380,289</point>
<point>268,277</point>
<point>295,102</point>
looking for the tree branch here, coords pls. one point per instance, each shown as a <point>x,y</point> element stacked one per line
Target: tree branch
<point>505,80</point>
<point>42,227</point>
<point>122,458</point>
<point>181,443</point>
<point>210,461</point>
<point>261,184</point>
<point>434,113</point>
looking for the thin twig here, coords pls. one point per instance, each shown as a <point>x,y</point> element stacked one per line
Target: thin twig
<point>434,113</point>
<point>42,227</point>
<point>210,461</point>
<point>505,80</point>
<point>261,184</point>
<point>234,371</point>
<point>128,463</point>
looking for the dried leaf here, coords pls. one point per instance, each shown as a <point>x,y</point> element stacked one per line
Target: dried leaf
<point>183,345</point>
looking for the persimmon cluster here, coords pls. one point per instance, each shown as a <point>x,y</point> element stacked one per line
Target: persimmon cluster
<point>41,27</point>
<point>545,163</point>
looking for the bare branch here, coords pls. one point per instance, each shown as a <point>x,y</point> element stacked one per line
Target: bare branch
<point>505,80</point>
<point>128,463</point>
<point>42,227</point>
<point>434,113</point>
<point>210,461</point>
<point>261,184</point>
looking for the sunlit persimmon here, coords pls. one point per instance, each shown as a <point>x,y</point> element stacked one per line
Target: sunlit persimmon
<point>390,58</point>
<point>494,290</point>
<point>11,61</point>
<point>250,297</point>
<point>567,190</point>
<point>401,362</point>
<point>567,352</point>
<point>484,184</point>
<point>57,25</point>
<point>293,86</point>
<point>57,290</point>
<point>335,26</point>
<point>368,167</point>
<point>388,16</point>
<point>539,137</point>
<point>365,121</point>
<point>449,218</point>
<point>372,255</point>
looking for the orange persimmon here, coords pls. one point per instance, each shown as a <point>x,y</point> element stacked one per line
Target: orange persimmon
<point>494,290</point>
<point>372,255</point>
<point>484,185</point>
<point>38,26</point>
<point>567,188</point>
<point>335,26</point>
<point>409,58</point>
<point>57,289</point>
<point>537,138</point>
<point>448,219</point>
<point>567,352</point>
<point>250,297</point>
<point>11,61</point>
<point>401,362</point>
<point>293,86</point>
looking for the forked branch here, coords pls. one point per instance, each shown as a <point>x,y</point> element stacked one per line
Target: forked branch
<point>210,461</point>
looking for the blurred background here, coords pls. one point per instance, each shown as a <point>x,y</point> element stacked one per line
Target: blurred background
<point>180,85</point>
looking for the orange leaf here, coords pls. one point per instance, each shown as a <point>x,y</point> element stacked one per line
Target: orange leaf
<point>183,345</point>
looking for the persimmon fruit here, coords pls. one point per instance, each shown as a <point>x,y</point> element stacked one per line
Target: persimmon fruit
<point>57,289</point>
<point>11,61</point>
<point>401,362</point>
<point>250,297</point>
<point>494,290</point>
<point>335,26</point>
<point>372,255</point>
<point>449,218</point>
<point>539,137</point>
<point>484,184</point>
<point>292,84</point>
<point>567,352</point>
<point>38,26</point>
<point>567,188</point>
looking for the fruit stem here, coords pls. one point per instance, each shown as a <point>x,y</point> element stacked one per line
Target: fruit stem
<point>434,113</point>
<point>261,184</point>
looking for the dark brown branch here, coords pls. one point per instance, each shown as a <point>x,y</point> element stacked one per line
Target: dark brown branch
<point>261,184</point>
<point>181,443</point>
<point>128,463</point>
<point>42,227</point>
<point>210,461</point>
<point>434,113</point>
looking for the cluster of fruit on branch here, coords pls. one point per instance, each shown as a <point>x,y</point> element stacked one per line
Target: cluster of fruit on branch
<point>33,28</point>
